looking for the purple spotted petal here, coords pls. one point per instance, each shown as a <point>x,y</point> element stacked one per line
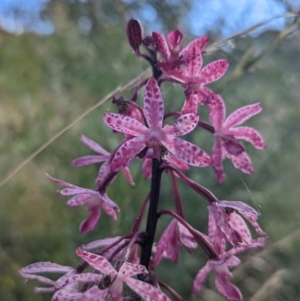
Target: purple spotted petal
<point>146,291</point>
<point>227,289</point>
<point>45,267</point>
<point>98,262</point>
<point>249,134</point>
<point>186,151</point>
<point>153,105</point>
<point>200,277</point>
<point>94,146</point>
<point>242,162</point>
<point>161,44</point>
<point>79,199</point>
<point>217,111</point>
<point>174,39</point>
<point>129,269</point>
<point>124,124</point>
<point>183,125</point>
<point>248,212</point>
<point>213,71</point>
<point>242,114</point>
<point>217,158</point>
<point>127,152</point>
<point>87,160</point>
<point>90,223</point>
<point>60,182</point>
<point>168,244</point>
<point>147,168</point>
<point>190,104</point>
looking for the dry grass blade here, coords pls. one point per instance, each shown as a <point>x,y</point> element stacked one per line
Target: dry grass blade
<point>286,241</point>
<point>117,92</point>
<point>215,46</point>
<point>271,286</point>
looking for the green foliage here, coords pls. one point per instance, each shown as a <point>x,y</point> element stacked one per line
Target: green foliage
<point>46,82</point>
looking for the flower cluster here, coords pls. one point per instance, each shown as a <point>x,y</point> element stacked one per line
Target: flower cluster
<point>133,258</point>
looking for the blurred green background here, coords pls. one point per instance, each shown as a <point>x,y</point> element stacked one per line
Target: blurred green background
<point>49,75</point>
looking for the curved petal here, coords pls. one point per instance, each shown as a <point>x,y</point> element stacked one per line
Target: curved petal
<point>168,244</point>
<point>128,176</point>
<point>127,152</point>
<point>213,71</point>
<point>200,277</point>
<point>124,124</point>
<point>242,114</point>
<point>176,162</point>
<point>231,145</point>
<point>249,134</point>
<point>87,160</point>
<point>90,223</point>
<point>215,235</point>
<point>227,289</point>
<point>192,63</point>
<point>153,105</point>
<point>45,267</point>
<point>217,158</point>
<point>248,212</point>
<point>183,125</point>
<point>79,199</point>
<point>146,291</point>
<point>174,39</point>
<point>242,162</point>
<point>147,168</point>
<point>217,111</point>
<point>94,146</point>
<point>199,43</point>
<point>161,44</point>
<point>73,191</point>
<point>186,151</point>
<point>129,269</point>
<point>109,210</point>
<point>190,104</point>
<point>60,182</point>
<point>239,225</point>
<point>98,262</point>
<point>103,172</point>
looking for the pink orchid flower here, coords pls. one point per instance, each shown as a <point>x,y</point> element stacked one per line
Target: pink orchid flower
<point>194,79</point>
<point>104,156</point>
<point>227,133</point>
<point>66,287</point>
<point>154,135</point>
<point>169,243</point>
<point>220,266</point>
<point>226,224</point>
<point>170,50</point>
<point>93,199</point>
<point>125,274</point>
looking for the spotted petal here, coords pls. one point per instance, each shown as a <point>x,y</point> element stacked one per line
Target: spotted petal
<point>98,262</point>
<point>249,134</point>
<point>186,151</point>
<point>124,124</point>
<point>213,71</point>
<point>183,125</point>
<point>153,105</point>
<point>242,114</point>
<point>127,152</point>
